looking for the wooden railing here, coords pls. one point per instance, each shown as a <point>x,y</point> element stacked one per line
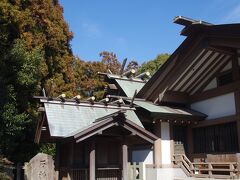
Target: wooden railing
<point>83,173</point>
<point>223,170</point>
<point>135,171</point>
<point>79,174</point>
<point>182,161</point>
<point>108,174</point>
<point>73,173</point>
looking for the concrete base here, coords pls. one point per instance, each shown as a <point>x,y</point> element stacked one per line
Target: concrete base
<point>169,174</point>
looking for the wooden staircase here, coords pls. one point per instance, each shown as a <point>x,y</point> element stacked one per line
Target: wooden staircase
<point>218,170</point>
<point>179,148</point>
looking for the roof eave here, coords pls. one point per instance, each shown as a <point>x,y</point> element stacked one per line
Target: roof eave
<point>114,121</point>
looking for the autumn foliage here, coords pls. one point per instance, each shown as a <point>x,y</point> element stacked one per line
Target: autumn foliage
<point>35,53</point>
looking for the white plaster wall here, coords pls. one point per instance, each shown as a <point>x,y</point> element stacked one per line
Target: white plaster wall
<point>145,156</point>
<point>211,85</point>
<point>216,107</point>
<point>165,145</point>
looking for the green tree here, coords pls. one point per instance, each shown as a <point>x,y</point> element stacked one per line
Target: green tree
<point>20,77</point>
<point>34,53</point>
<point>153,65</point>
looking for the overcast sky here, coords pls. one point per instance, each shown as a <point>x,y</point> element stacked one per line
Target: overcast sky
<point>138,29</point>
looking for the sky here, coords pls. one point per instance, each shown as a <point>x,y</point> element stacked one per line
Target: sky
<point>138,29</point>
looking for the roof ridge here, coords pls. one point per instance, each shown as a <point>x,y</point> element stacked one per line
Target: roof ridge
<point>115,114</point>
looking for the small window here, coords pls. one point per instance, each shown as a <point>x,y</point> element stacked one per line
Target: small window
<point>225,78</point>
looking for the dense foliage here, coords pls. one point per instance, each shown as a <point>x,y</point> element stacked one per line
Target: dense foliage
<point>88,82</point>
<point>35,53</point>
<point>153,65</point>
<point>3,176</point>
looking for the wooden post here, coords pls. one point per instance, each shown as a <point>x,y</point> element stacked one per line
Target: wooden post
<point>237,104</point>
<point>157,153</point>
<point>57,161</point>
<point>70,161</point>
<point>210,168</point>
<point>236,77</point>
<point>190,142</point>
<point>125,161</point>
<point>92,164</point>
<point>235,67</point>
<point>19,167</point>
<point>71,158</point>
<point>171,143</point>
<point>231,167</point>
<point>157,145</point>
<point>192,170</point>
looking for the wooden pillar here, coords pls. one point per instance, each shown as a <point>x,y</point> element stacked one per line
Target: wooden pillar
<point>235,67</point>
<point>157,145</point>
<point>236,77</point>
<point>165,145</point>
<point>71,154</point>
<point>171,143</point>
<point>19,167</point>
<point>237,104</point>
<point>92,164</point>
<point>190,142</point>
<point>125,161</point>
<point>157,153</point>
<point>57,161</point>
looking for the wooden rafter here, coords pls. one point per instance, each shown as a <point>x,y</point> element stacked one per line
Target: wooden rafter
<point>189,69</point>
<point>221,39</point>
<point>211,73</point>
<point>115,121</point>
<point>178,69</point>
<point>194,71</point>
<point>39,128</point>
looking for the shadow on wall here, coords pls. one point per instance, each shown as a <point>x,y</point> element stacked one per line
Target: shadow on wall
<point>145,156</point>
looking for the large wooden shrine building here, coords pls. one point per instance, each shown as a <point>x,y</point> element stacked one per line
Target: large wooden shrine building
<point>190,106</point>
